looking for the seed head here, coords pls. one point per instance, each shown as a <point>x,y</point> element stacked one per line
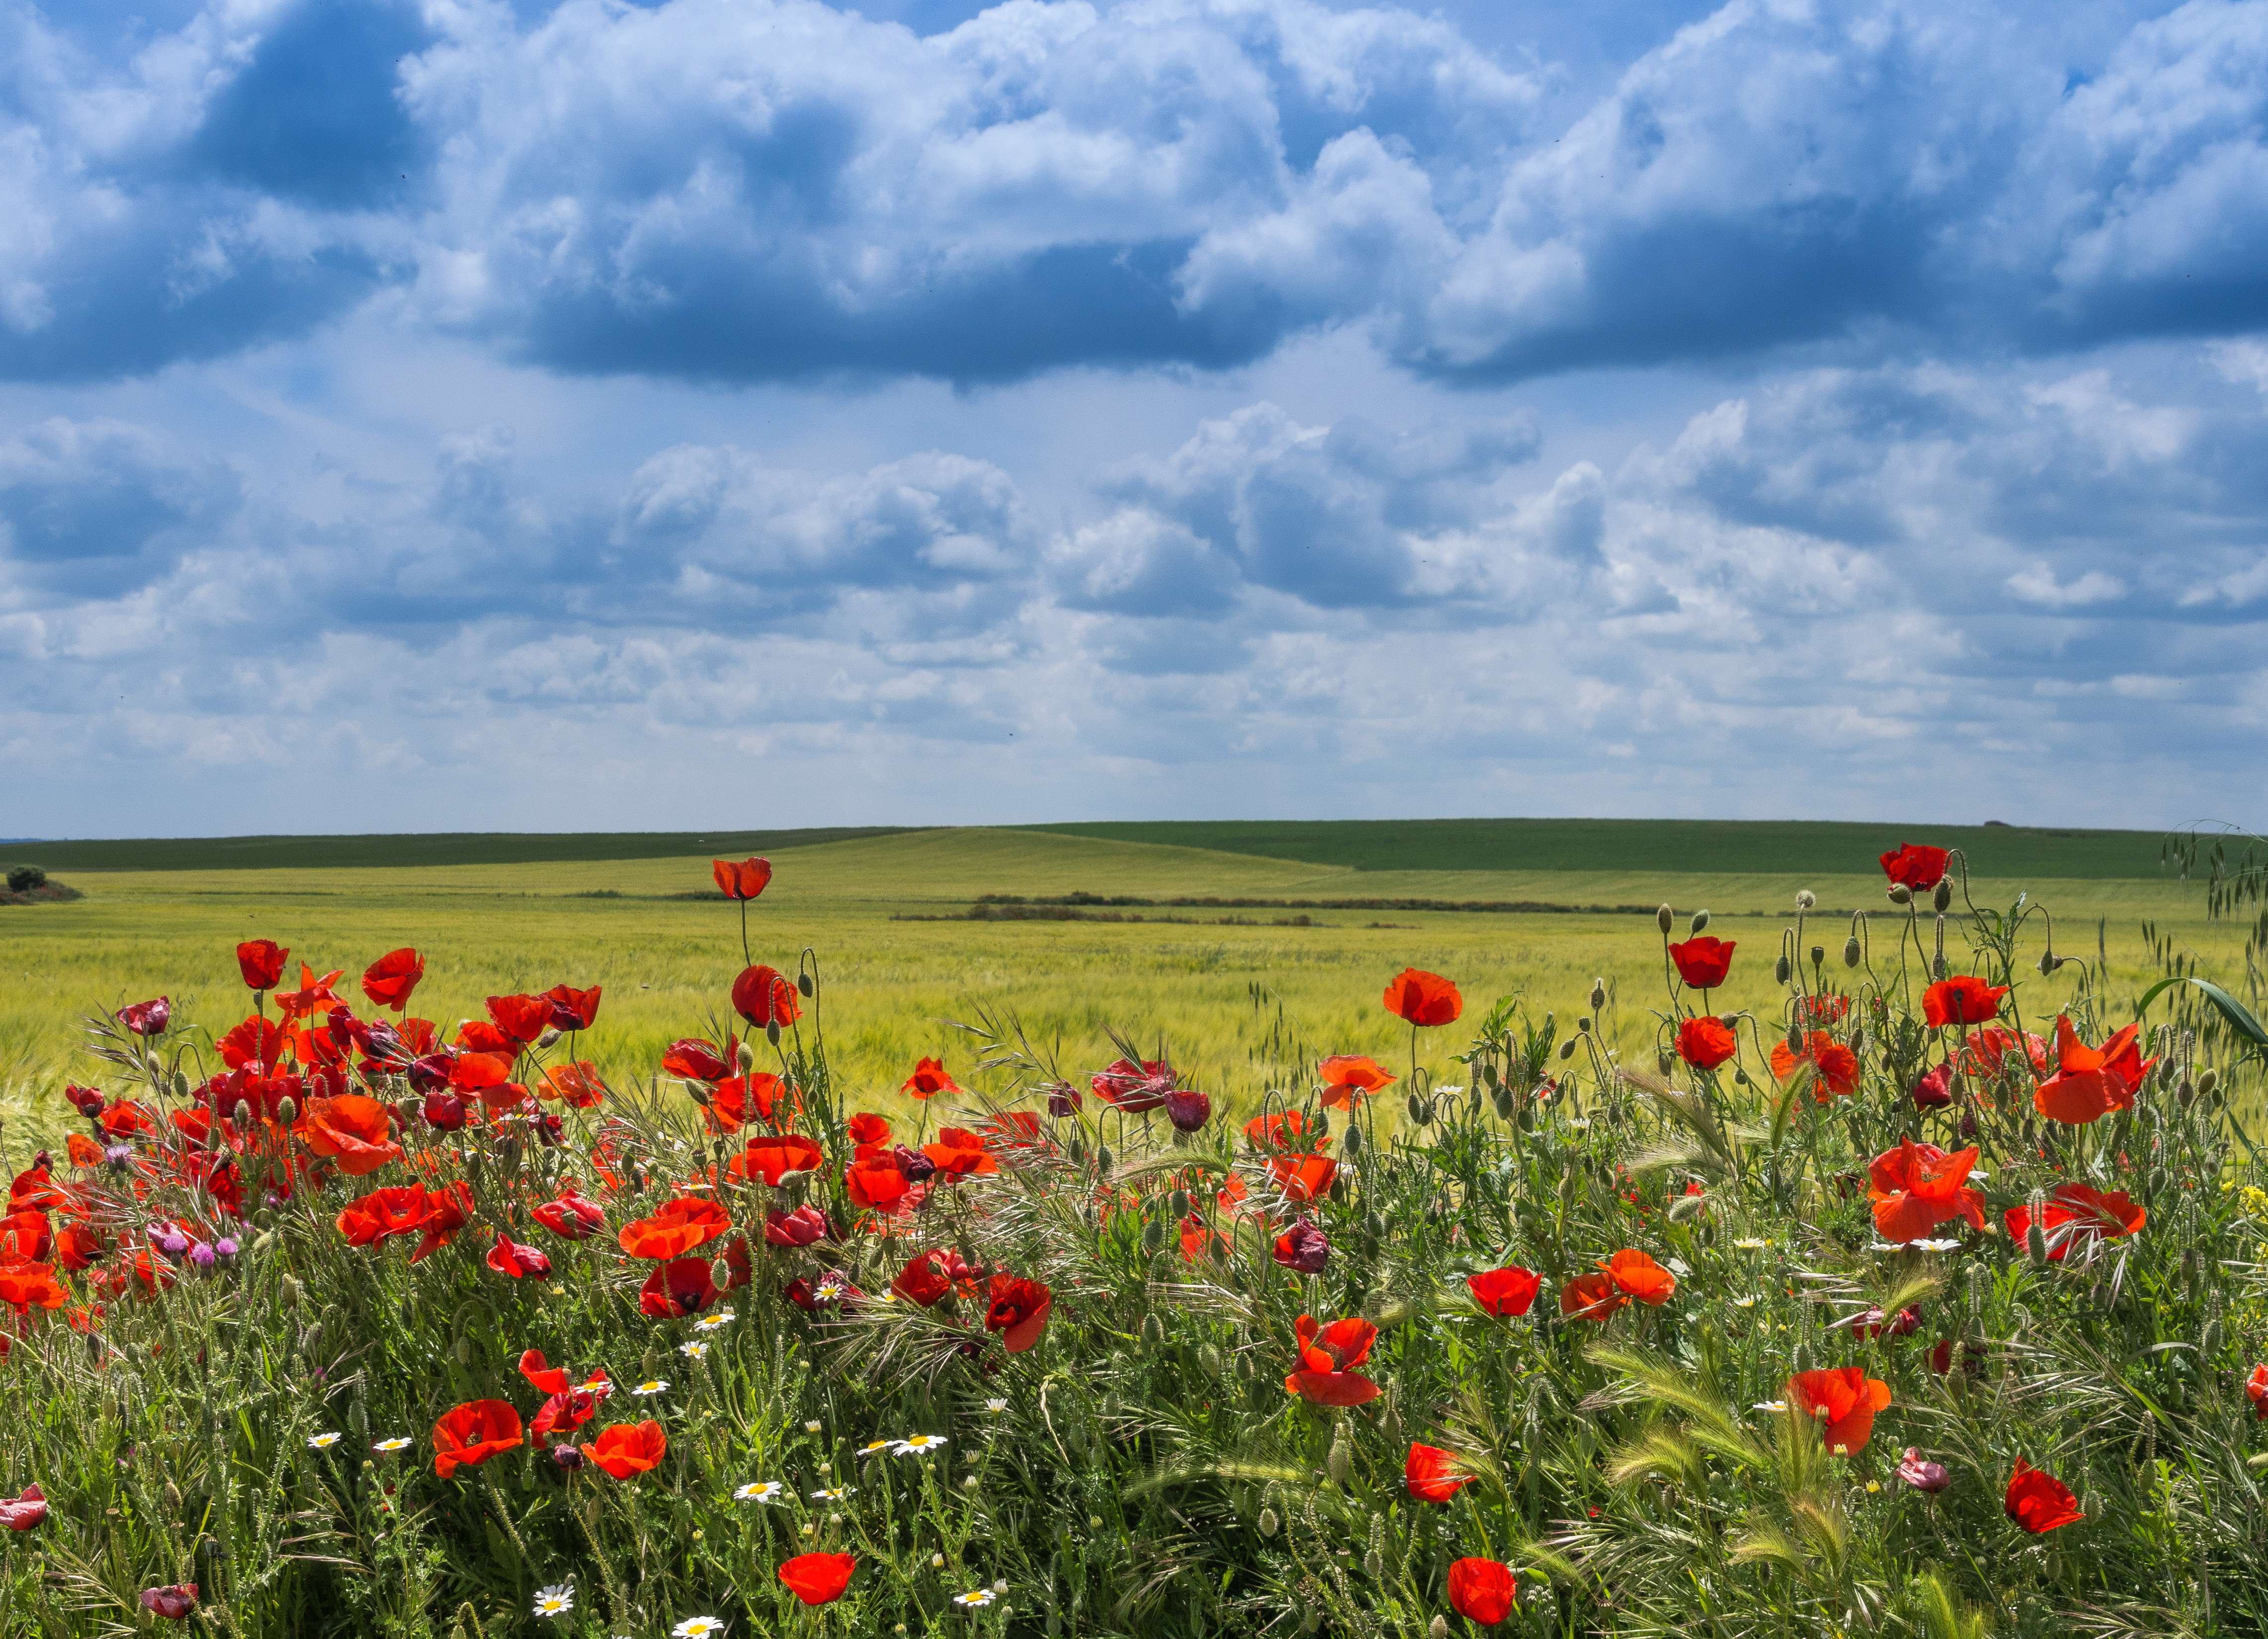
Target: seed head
<point>1806,900</point>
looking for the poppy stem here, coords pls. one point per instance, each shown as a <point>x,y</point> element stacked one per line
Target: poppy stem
<point>598,1558</point>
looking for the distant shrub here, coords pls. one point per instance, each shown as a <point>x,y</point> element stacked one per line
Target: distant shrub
<point>23,878</point>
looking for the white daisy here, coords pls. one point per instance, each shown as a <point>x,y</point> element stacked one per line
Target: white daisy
<point>712,1322</point>
<point>812,1427</point>
<point>697,1627</point>
<point>762,1491</point>
<point>975,1599</point>
<point>872,1446</point>
<point>1750,1242</point>
<point>996,1407</point>
<point>399,1443</point>
<point>324,1442</point>
<point>936,1561</point>
<point>916,1444</point>
<point>1749,1302</point>
<point>693,1349</point>
<point>1775,1407</point>
<point>834,1494</point>
<point>556,1601</point>
<point>654,1385</point>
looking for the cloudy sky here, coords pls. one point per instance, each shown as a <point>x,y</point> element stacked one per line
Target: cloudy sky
<point>472,414</point>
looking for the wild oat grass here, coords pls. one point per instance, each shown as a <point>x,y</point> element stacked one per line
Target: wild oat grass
<point>1151,1452</point>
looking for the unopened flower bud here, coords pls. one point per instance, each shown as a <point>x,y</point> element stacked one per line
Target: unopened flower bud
<point>1567,1048</point>
<point>1352,1143</point>
<point>1340,1464</point>
<point>772,1034</point>
<point>1178,1204</point>
<point>549,1039</point>
<point>2206,1082</point>
<point>1851,951</point>
<point>746,1057</point>
<point>1438,1628</point>
<point>1942,898</point>
<point>1700,921</point>
<point>808,985</point>
<point>1664,918</point>
<point>1818,954</point>
<point>242,1115</point>
<point>1421,1111</point>
<point>1269,1523</point>
<point>567,1457</point>
<point>1374,1565</point>
<point>287,1291</point>
<point>720,1274</point>
<point>1900,893</point>
<point>1782,970</point>
<point>2048,962</point>
<point>1584,1025</point>
<point>1598,993</point>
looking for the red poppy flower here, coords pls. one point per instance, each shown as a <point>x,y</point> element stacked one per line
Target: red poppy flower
<point>541,1372</point>
<point>1933,1091</point>
<point>25,1510</point>
<point>579,1084</point>
<point>928,1277</point>
<point>520,1017</point>
<point>2075,1213</point>
<point>818,1578</point>
<point>570,1216</point>
<point>354,1130</point>
<point>389,980</point>
<point>675,1228</point>
<point>1303,1177</point>
<point>1506,1291</point>
<point>1987,1048</point>
<point>125,1118</point>
<point>929,1079</point>
<point>24,1284</point>
<point>1703,961</point>
<point>314,996</point>
<point>572,1009</point>
<point>865,1128</point>
<point>383,1213</point>
<point>255,1042</point>
<point>173,1602</point>
<point>1845,1401</point>
<point>1914,866</point>
<point>875,1183</point>
<point>742,881</point>
<point>262,963</point>
<point>775,1156</point>
<point>802,1227</point>
<point>1964,999</point>
<point>1704,1042</point>
<point>1915,1187</point>
<point>959,1153</point>
<point>625,1449</point>
<point>509,1257</point>
<point>2091,1082</point>
<point>447,1213</point>
<point>82,1150</point>
<point>473,1433</point>
<point>1303,1249</point>
<point>1824,1009</point>
<point>2040,1503</point>
<point>1422,998</point>
<point>678,1289</point>
<point>2255,1390</point>
<point>1346,1078</point>
<point>1328,1356</point>
<point>1431,1474</point>
<point>1641,1277</point>
<point>79,1244</point>
<point>571,1405</point>
<point>693,1059</point>
<point>762,996</point>
<point>1482,1591</point>
<point>148,1018</point>
<point>1018,1311</point>
<point>1276,1132</point>
<point>25,1237</point>
<point>1834,1068</point>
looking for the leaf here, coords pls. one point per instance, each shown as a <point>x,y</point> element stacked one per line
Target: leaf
<point>2238,1015</point>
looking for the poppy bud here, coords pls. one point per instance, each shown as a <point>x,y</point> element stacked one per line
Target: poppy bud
<point>1339,1190</point>
<point>1818,954</point>
<point>1851,951</point>
<point>181,1083</point>
<point>1102,1159</point>
<point>1502,1100</point>
<point>1421,1112</point>
<point>1209,1358</point>
<point>808,985</point>
<point>1781,971</point>
<point>172,1496</point>
<point>1153,1237</point>
<point>1154,1330</point>
<point>1900,893</point>
<point>1583,1025</point>
<point>1352,1143</point>
<point>287,1109</point>
<point>2185,1094</point>
<point>771,1033</point>
<point>1269,1523</point>
<point>567,1457</point>
<point>1340,1464</point>
<point>720,1274</point>
<point>1700,921</point>
<point>746,1057</point>
<point>2209,1340</point>
<point>2207,1082</point>
<point>2036,1243</point>
<point>463,1349</point>
<point>1374,1565</point>
<point>1598,993</point>
<point>1663,1064</point>
<point>287,1292</point>
<point>2048,963</point>
<point>1943,898</point>
<point>1076,1149</point>
<point>1663,918</point>
<point>1739,1078</point>
<point>242,1114</point>
<point>1567,1048</point>
<point>549,1039</point>
<point>1178,1204</point>
<point>1439,1629</point>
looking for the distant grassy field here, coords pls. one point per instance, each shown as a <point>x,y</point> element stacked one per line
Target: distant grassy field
<point>1213,993</point>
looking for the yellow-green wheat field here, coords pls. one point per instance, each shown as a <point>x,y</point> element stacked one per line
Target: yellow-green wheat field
<point>1211,994</point>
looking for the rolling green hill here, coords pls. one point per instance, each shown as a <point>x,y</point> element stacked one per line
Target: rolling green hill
<point>433,848</point>
<point>1670,847</point>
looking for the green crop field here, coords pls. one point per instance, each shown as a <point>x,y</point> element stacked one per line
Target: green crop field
<point>882,912</point>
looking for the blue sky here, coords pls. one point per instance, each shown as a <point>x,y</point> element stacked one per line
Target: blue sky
<point>471,415</point>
